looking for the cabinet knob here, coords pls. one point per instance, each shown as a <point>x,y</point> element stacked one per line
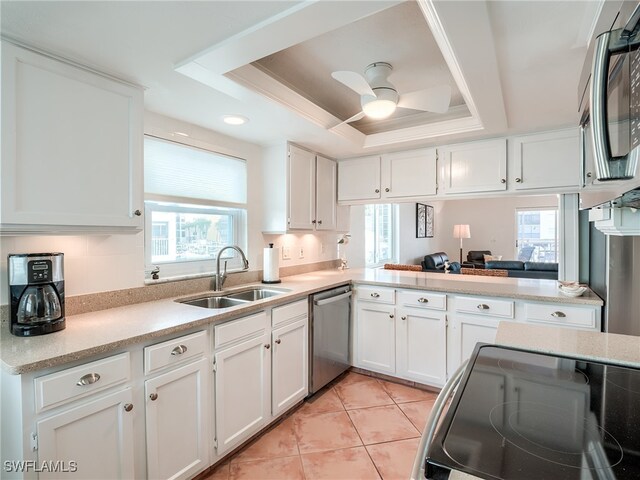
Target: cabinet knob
<point>137,213</point>
<point>483,306</point>
<point>589,174</point>
<point>503,180</point>
<point>403,317</point>
<point>128,407</point>
<point>179,350</point>
<point>319,222</point>
<point>518,180</point>
<point>391,315</point>
<point>423,300</point>
<point>558,314</point>
<point>88,379</point>
<point>267,346</point>
<point>153,397</point>
<point>386,190</point>
<point>377,190</point>
<point>278,341</point>
<point>313,221</point>
<point>375,295</point>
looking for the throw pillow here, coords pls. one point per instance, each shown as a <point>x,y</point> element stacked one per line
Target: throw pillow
<point>491,258</point>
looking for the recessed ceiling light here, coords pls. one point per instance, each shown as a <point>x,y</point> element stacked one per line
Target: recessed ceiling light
<point>235,119</point>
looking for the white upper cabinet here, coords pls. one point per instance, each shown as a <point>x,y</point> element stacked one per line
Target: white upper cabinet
<point>359,179</point>
<point>474,167</point>
<point>394,175</point>
<point>71,148</point>
<point>546,160</point>
<point>299,190</point>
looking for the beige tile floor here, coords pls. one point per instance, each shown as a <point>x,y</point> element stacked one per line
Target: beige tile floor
<point>360,428</point>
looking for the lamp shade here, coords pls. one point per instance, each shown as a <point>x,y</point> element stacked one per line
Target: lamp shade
<point>461,231</point>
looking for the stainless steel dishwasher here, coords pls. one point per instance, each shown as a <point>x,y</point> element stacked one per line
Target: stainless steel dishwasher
<point>329,339</point>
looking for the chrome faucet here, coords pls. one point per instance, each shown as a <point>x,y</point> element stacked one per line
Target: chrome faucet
<point>220,278</point>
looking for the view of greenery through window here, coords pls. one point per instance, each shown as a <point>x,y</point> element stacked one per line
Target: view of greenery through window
<point>537,235</point>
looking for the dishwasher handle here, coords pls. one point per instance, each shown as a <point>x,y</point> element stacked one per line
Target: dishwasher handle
<point>326,301</point>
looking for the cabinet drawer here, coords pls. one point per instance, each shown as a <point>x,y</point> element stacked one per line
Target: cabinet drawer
<point>67,385</point>
<point>171,352</point>
<point>485,306</point>
<point>240,329</point>
<point>373,294</point>
<point>560,315</point>
<point>417,298</point>
<point>289,312</point>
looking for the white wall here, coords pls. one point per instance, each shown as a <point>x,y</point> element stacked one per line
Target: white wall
<point>98,263</point>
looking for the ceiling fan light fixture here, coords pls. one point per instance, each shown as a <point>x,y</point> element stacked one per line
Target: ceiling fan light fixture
<point>379,109</point>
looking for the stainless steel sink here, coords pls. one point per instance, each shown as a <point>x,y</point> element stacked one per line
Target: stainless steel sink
<point>253,294</point>
<point>215,302</point>
<point>232,299</point>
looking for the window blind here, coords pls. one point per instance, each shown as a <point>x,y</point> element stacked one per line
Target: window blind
<point>182,171</point>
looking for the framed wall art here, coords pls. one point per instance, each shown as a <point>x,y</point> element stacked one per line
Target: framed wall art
<point>424,221</point>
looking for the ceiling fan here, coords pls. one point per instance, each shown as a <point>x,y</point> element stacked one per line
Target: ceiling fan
<point>379,97</point>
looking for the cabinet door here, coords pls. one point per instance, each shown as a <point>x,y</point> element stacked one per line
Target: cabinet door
<point>302,188</point>
<point>409,174</point>
<point>375,337</point>
<point>177,418</point>
<point>290,368</point>
<point>97,436</point>
<point>359,179</point>
<point>326,189</point>
<point>546,160</point>
<point>474,167</point>
<point>421,346</point>
<point>467,331</point>
<point>71,146</point>
<point>242,391</point>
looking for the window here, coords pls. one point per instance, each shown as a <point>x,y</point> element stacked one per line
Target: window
<point>537,235</point>
<point>379,226</point>
<point>195,204</point>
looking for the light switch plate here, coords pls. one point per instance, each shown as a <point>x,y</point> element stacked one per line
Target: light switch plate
<point>301,253</point>
<point>286,253</point>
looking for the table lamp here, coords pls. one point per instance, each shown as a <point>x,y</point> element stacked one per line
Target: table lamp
<point>461,231</point>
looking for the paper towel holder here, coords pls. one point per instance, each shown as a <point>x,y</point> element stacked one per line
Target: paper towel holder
<point>264,268</point>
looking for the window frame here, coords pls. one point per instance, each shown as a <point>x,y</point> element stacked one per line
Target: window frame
<point>518,210</point>
<point>393,231</point>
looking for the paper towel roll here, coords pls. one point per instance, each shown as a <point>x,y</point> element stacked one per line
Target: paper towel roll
<point>271,266</point>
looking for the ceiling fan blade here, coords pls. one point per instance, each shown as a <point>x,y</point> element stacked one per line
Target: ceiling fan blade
<point>355,118</point>
<point>434,99</point>
<point>354,81</point>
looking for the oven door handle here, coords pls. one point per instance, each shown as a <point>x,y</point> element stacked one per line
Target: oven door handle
<point>430,428</point>
<point>337,298</point>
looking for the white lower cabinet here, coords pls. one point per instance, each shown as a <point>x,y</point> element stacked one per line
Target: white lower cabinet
<point>421,343</point>
<point>467,331</point>
<point>177,416</point>
<point>375,337</point>
<point>242,391</point>
<point>97,436</point>
<point>290,369</point>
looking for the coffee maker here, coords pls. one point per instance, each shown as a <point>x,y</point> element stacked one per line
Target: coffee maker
<point>36,292</point>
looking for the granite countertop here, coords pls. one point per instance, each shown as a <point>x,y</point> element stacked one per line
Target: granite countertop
<point>103,331</point>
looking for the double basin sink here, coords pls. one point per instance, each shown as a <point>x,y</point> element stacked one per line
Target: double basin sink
<point>232,299</point>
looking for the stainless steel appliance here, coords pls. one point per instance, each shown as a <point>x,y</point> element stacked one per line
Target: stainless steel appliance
<point>36,292</point>
<point>609,99</point>
<point>524,415</point>
<point>329,339</point>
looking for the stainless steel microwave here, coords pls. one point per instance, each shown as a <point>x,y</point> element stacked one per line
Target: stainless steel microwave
<point>609,96</point>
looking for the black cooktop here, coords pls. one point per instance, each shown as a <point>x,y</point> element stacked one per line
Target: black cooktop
<point>523,415</point>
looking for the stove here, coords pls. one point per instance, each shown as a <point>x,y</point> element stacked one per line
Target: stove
<point>524,415</point>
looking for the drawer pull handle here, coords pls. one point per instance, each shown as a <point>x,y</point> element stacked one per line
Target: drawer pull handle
<point>483,306</point>
<point>88,379</point>
<point>153,397</point>
<point>278,341</point>
<point>179,350</point>
<point>375,295</point>
<point>558,314</point>
<point>128,407</point>
<point>423,300</point>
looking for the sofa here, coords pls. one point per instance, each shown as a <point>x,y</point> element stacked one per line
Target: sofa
<point>518,269</point>
<point>475,258</point>
<point>434,262</point>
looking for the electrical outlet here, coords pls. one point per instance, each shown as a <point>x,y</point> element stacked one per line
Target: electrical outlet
<point>301,253</point>
<point>286,253</point>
